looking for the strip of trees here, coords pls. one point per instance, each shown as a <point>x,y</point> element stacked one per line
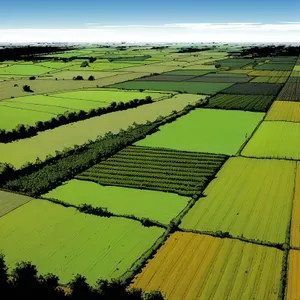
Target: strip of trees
<point>24,282</point>
<point>24,131</point>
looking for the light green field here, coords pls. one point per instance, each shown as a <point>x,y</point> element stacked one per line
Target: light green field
<point>102,66</point>
<point>158,206</point>
<point>24,70</point>
<point>57,64</point>
<point>275,140</point>
<point>66,242</point>
<point>250,198</point>
<point>50,141</point>
<point>206,130</point>
<point>65,74</point>
<point>10,201</point>
<point>31,109</point>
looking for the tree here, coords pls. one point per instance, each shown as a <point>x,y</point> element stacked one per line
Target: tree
<point>91,77</point>
<point>3,274</point>
<point>154,295</point>
<point>32,78</point>
<point>92,59</point>
<point>26,88</point>
<point>79,77</point>
<point>84,64</point>
<point>80,288</point>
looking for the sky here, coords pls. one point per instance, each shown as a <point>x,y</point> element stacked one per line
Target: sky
<point>150,21</point>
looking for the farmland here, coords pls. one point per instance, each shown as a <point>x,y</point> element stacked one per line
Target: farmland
<point>254,89</point>
<point>157,206</point>
<point>293,291</point>
<point>30,109</point>
<point>194,192</point>
<point>261,203</point>
<point>284,111</point>
<point>10,201</point>
<point>184,173</point>
<point>81,132</point>
<point>65,242</point>
<point>256,103</point>
<point>275,140</point>
<point>223,137</point>
<point>194,266</point>
<point>187,87</point>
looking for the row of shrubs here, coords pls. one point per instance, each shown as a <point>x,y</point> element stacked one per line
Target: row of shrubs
<point>25,283</point>
<point>23,131</point>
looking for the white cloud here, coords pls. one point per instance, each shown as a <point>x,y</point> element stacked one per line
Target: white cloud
<point>177,32</point>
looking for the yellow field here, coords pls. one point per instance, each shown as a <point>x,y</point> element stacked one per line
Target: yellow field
<point>270,73</point>
<point>295,229</point>
<point>194,266</point>
<point>47,142</point>
<point>293,287</point>
<point>284,111</point>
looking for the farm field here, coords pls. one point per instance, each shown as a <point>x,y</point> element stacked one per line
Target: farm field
<point>276,66</point>
<point>153,68</point>
<point>30,109</point>
<point>220,79</point>
<point>259,211</point>
<point>295,224</point>
<point>290,92</point>
<point>68,75</point>
<point>101,66</point>
<point>284,111</point>
<point>65,242</point>
<point>172,171</point>
<point>274,79</point>
<point>256,103</point>
<point>10,201</point>
<point>194,266</point>
<point>271,89</point>
<point>293,290</point>
<point>157,206</point>
<point>188,87</point>
<point>188,72</point>
<point>222,137</point>
<point>271,73</point>
<point>24,69</point>
<point>50,141</point>
<point>275,140</point>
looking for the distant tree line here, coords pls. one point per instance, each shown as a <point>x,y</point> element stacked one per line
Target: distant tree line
<point>25,283</point>
<point>192,49</point>
<point>271,50</point>
<point>28,52</point>
<point>25,131</point>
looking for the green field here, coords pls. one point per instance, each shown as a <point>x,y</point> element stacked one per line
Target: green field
<point>68,75</point>
<point>24,69</point>
<point>250,198</point>
<point>30,109</point>
<point>101,66</point>
<point>158,206</point>
<point>275,140</point>
<point>50,141</point>
<point>10,201</point>
<point>65,242</point>
<point>188,87</point>
<point>188,72</point>
<point>225,136</point>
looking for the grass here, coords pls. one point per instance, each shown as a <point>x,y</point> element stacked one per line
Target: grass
<point>187,87</point>
<point>188,72</point>
<point>101,66</point>
<point>225,136</point>
<point>195,266</point>
<point>68,75</point>
<point>275,140</point>
<point>154,205</point>
<point>250,198</point>
<point>184,173</point>
<point>11,201</point>
<point>256,103</point>
<point>50,141</point>
<point>65,242</point>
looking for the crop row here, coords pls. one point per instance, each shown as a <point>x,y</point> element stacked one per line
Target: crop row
<point>254,89</point>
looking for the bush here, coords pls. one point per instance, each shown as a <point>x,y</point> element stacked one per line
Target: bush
<point>84,64</point>
<point>91,77</point>
<point>79,77</point>
<point>32,78</point>
<point>92,59</point>
<point>26,88</point>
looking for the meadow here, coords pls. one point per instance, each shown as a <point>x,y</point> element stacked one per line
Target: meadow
<point>222,137</point>
<point>65,242</point>
<point>259,211</point>
<point>194,266</point>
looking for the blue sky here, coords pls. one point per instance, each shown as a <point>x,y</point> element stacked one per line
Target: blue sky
<point>75,13</point>
<point>150,21</point>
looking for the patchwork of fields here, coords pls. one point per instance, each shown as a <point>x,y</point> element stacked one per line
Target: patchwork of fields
<point>201,202</point>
